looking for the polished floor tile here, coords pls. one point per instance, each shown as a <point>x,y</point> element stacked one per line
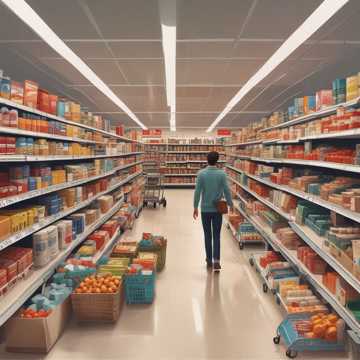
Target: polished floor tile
<point>196,315</point>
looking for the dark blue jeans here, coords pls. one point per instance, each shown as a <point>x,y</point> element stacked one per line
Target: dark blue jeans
<point>212,222</point>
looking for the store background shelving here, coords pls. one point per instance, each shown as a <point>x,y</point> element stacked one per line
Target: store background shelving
<point>171,152</point>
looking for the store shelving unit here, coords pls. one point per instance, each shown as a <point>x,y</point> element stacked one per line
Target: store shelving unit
<point>14,299</point>
<point>48,116</point>
<point>51,219</point>
<point>17,294</point>
<point>317,243</point>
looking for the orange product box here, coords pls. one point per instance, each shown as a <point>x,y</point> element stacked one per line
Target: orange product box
<point>10,266</point>
<point>17,92</point>
<point>31,93</point>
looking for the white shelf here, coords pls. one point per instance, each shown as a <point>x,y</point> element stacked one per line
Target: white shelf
<point>309,197</point>
<point>188,152</point>
<point>16,297</point>
<point>65,121</point>
<point>23,158</point>
<point>180,174</point>
<point>314,163</point>
<point>325,112</point>
<point>314,280</point>
<point>32,194</point>
<point>180,184</point>
<point>253,142</point>
<point>266,202</point>
<point>316,242</point>
<point>51,219</point>
<point>16,131</point>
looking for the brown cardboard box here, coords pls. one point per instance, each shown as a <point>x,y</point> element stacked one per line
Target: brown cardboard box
<point>37,335</point>
<point>345,260</point>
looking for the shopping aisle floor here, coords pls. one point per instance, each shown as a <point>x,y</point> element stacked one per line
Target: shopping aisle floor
<point>196,314</point>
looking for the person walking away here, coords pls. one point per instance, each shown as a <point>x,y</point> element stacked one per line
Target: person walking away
<point>211,186</point>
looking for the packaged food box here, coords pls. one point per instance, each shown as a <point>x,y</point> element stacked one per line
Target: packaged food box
<point>17,92</point>
<point>31,93</point>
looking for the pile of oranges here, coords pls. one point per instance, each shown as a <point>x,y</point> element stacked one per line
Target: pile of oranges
<point>32,314</point>
<point>107,284</point>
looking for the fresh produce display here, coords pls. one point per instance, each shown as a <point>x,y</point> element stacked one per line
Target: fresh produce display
<point>99,284</point>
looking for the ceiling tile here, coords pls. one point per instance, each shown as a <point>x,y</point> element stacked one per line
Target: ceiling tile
<point>127,19</point>
<point>89,49</point>
<point>144,71</point>
<point>239,71</point>
<point>200,71</point>
<point>65,70</point>
<point>248,48</point>
<point>206,19</point>
<point>204,49</point>
<point>107,70</point>
<point>277,19</point>
<point>12,28</point>
<point>137,49</point>
<point>66,18</point>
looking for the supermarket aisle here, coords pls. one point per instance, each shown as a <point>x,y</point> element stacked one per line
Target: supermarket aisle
<point>196,315</point>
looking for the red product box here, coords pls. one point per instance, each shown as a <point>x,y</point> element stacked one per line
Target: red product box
<point>10,266</point>
<point>53,100</point>
<point>31,93</point>
<point>43,101</point>
<point>111,227</point>
<point>100,237</point>
<point>120,130</point>
<point>2,144</point>
<point>324,98</point>
<point>3,278</point>
<point>10,145</point>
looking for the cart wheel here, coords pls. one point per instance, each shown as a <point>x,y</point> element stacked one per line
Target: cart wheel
<point>145,203</point>
<point>164,203</point>
<point>251,261</point>
<point>292,354</point>
<point>241,245</point>
<point>265,288</point>
<point>154,205</point>
<point>276,340</point>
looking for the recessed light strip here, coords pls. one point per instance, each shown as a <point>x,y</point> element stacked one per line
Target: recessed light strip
<point>25,12</point>
<point>318,18</point>
<point>168,29</point>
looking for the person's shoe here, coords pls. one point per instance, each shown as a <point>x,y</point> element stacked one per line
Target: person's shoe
<point>217,267</point>
<point>209,264</point>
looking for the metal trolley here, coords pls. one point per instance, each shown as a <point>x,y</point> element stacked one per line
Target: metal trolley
<point>154,190</point>
<point>154,179</point>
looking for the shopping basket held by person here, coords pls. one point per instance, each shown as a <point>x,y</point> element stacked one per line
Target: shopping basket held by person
<point>211,187</point>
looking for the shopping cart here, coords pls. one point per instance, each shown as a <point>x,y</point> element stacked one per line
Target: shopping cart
<point>154,190</point>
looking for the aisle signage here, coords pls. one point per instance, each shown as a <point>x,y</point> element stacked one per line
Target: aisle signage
<point>152,133</point>
<point>223,132</point>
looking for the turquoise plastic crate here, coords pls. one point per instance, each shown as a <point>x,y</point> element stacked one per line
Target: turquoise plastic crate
<point>139,288</point>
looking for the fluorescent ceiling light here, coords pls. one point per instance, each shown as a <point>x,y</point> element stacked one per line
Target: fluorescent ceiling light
<point>168,29</point>
<point>34,21</point>
<point>172,122</point>
<point>318,18</point>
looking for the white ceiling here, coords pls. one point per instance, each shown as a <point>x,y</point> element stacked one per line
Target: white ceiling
<point>220,45</point>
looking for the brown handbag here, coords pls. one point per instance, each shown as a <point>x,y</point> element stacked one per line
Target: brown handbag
<point>221,206</point>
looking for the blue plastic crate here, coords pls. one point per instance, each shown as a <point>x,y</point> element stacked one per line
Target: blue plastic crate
<point>139,288</point>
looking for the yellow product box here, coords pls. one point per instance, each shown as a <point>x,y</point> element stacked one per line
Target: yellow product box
<point>30,214</point>
<point>18,219</point>
<point>5,227</point>
<point>352,86</point>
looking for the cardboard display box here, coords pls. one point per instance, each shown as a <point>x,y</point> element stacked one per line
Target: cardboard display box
<point>37,335</point>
